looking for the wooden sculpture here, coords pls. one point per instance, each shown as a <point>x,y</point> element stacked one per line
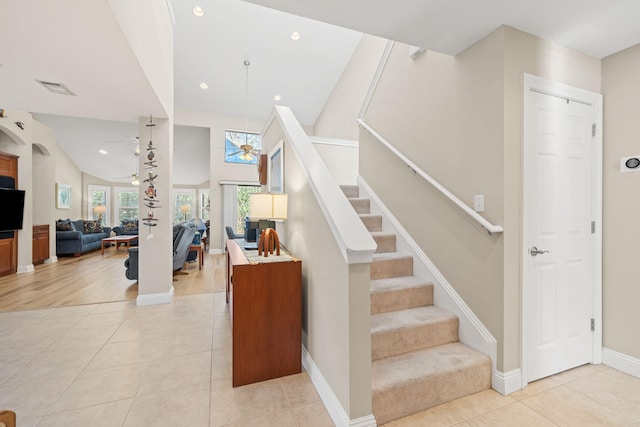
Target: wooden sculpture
<point>269,241</point>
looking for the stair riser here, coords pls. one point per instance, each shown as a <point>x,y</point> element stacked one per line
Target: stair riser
<point>383,302</point>
<point>372,222</point>
<point>418,396</point>
<point>362,206</point>
<point>397,267</point>
<point>397,342</point>
<point>386,243</point>
<point>351,191</point>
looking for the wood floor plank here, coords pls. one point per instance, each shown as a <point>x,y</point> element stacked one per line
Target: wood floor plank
<point>94,278</point>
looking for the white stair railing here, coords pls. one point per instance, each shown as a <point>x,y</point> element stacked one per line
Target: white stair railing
<point>491,228</point>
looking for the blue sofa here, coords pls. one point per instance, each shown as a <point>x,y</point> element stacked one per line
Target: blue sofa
<point>78,237</point>
<point>127,228</point>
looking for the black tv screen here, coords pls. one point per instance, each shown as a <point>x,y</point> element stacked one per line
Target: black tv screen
<point>12,203</point>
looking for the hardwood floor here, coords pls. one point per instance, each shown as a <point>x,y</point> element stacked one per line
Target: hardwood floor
<point>94,278</point>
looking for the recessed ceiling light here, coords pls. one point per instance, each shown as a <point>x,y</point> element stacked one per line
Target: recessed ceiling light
<point>295,36</point>
<point>277,97</point>
<point>198,11</point>
<point>204,86</point>
<point>103,151</point>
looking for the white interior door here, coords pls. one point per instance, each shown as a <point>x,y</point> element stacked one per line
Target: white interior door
<point>559,236</point>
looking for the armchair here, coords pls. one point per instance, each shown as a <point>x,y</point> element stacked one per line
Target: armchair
<point>182,238</point>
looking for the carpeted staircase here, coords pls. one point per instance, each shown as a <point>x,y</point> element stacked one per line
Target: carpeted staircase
<point>417,360</point>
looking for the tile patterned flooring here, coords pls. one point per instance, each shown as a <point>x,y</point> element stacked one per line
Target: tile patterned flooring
<point>116,364</point>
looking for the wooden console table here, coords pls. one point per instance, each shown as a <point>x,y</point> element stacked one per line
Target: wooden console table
<point>265,297</point>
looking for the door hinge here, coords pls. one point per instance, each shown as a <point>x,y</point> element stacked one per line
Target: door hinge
<point>593,325</point>
<point>593,227</point>
<point>593,129</point>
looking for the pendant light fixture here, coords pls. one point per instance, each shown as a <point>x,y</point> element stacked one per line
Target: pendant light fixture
<point>246,156</point>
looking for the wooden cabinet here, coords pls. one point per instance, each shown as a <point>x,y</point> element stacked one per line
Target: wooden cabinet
<point>266,315</point>
<point>40,243</point>
<point>8,239</point>
<point>8,255</point>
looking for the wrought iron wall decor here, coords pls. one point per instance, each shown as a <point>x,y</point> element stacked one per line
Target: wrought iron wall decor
<point>150,193</point>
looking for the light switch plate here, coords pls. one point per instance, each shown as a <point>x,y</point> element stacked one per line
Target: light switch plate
<point>478,202</point>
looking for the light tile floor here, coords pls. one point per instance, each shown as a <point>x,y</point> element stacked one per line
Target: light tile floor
<point>116,364</point>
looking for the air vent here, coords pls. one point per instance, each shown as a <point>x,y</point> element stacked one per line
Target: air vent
<point>58,88</point>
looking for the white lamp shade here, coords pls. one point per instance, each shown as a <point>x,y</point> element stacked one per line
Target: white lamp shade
<point>185,208</point>
<point>268,206</point>
<point>260,205</point>
<point>99,209</point>
<point>279,206</point>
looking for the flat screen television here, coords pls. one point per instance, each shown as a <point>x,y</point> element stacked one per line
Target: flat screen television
<point>12,212</point>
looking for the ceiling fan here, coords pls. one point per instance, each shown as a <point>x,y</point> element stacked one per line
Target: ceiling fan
<point>247,150</point>
<point>126,139</point>
<point>134,177</point>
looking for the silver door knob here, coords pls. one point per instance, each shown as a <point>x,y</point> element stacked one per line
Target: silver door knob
<point>535,251</point>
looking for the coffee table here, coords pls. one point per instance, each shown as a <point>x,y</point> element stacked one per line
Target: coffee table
<point>118,240</point>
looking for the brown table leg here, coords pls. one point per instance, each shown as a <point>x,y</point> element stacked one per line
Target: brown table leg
<point>102,246</point>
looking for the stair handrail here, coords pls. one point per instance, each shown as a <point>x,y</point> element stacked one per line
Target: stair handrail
<point>491,228</point>
<point>355,242</point>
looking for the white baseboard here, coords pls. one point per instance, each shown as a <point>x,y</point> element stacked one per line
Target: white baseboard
<point>627,364</point>
<point>51,260</point>
<point>506,382</point>
<point>26,268</point>
<point>153,299</point>
<point>329,399</point>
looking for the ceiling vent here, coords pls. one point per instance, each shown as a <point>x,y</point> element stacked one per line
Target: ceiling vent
<point>58,88</point>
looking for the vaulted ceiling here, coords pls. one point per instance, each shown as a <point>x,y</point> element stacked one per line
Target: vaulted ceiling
<point>79,43</point>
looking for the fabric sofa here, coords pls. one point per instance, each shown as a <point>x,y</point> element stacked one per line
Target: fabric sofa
<point>127,228</point>
<point>182,238</point>
<point>78,237</point>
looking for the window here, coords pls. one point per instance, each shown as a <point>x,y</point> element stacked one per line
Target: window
<point>242,147</point>
<point>184,203</point>
<point>242,208</point>
<point>99,207</point>
<point>126,204</point>
<point>205,204</point>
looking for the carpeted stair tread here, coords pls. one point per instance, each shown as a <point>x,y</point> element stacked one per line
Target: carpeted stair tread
<point>391,264</point>
<point>398,283</point>
<point>373,222</point>
<point>362,206</point>
<point>351,191</point>
<point>403,319</point>
<point>386,241</point>
<point>412,382</point>
<point>400,293</point>
<point>404,331</point>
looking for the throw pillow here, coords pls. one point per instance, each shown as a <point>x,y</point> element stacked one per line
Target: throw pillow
<point>92,227</point>
<point>64,225</point>
<point>130,226</point>
<point>78,225</point>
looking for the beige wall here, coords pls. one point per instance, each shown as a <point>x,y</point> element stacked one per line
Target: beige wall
<point>445,114</point>
<point>35,145</point>
<point>621,230</point>
<point>335,306</point>
<point>68,173</point>
<point>219,169</point>
<point>341,160</point>
<point>459,119</point>
<point>338,117</point>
